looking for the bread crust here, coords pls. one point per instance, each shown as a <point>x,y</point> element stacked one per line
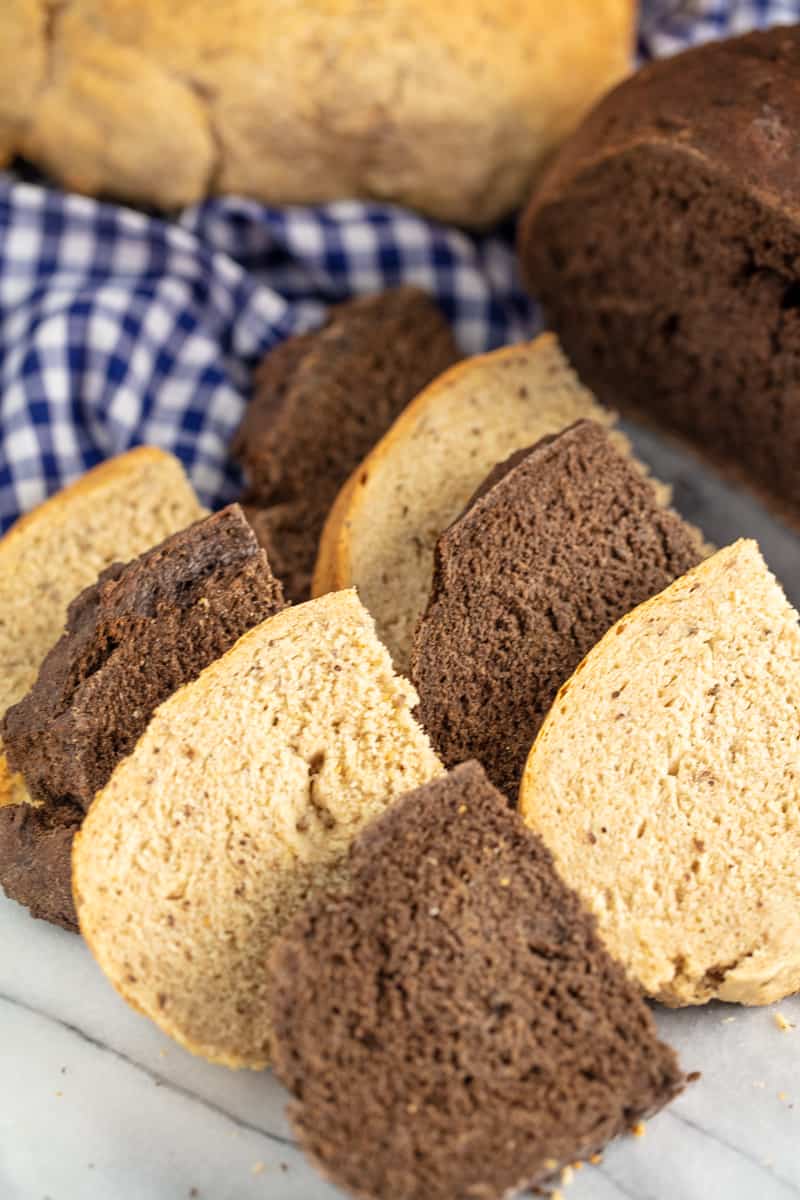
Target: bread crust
<point>121,466</point>
<point>333,569</point>
<point>267,99</point>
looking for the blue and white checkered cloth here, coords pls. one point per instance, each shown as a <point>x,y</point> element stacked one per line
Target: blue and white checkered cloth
<point>118,328</point>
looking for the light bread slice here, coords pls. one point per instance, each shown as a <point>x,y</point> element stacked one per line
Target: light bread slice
<point>241,799</point>
<point>666,783</point>
<point>382,531</point>
<point>114,512</point>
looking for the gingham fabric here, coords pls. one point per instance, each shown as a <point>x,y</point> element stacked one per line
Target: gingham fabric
<point>118,328</point>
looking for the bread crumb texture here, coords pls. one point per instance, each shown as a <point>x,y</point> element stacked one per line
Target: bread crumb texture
<point>382,532</point>
<point>239,801</point>
<point>665,782</point>
<point>111,514</point>
<point>444,1036</point>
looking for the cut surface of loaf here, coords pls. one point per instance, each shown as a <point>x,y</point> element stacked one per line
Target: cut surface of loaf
<point>381,534</point>
<point>111,514</point>
<point>451,1025</point>
<point>663,242</point>
<point>322,400</point>
<point>239,801</point>
<point>665,782</point>
<point>266,99</point>
<point>560,542</point>
<point>132,638</point>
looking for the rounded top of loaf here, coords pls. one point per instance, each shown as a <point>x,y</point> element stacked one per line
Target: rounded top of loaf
<point>665,781</point>
<point>734,104</point>
<point>446,108</point>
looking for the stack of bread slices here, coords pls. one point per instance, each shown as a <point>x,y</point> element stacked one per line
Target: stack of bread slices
<point>430,837</point>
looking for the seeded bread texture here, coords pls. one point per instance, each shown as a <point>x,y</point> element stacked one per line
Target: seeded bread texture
<point>132,638</point>
<point>451,1025</point>
<point>447,109</point>
<point>562,541</point>
<point>381,534</point>
<point>663,243</point>
<point>665,783</point>
<point>240,801</point>
<point>322,400</point>
<point>114,512</point>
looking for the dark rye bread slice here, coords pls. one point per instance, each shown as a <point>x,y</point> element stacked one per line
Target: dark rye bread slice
<point>560,542</point>
<point>321,402</point>
<point>451,1025</point>
<point>664,244</point>
<point>36,859</point>
<point>132,639</point>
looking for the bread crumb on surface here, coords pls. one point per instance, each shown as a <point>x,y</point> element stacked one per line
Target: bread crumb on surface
<point>639,1129</point>
<point>596,1159</point>
<point>782,1023</point>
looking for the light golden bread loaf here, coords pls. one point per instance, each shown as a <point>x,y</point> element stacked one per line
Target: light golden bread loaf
<point>447,108</point>
<point>242,798</point>
<point>666,782</point>
<point>382,531</point>
<point>112,513</point>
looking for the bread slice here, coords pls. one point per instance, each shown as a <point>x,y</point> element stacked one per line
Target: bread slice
<point>451,1025</point>
<point>36,856</point>
<point>114,512</point>
<point>666,778</point>
<point>322,400</point>
<point>238,802</point>
<point>132,638</point>
<point>561,541</point>
<point>381,534</point>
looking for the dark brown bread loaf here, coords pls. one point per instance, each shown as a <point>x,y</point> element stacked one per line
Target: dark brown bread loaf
<point>559,543</point>
<point>664,244</point>
<point>132,638</point>
<point>452,1026</point>
<point>36,859</point>
<point>321,402</point>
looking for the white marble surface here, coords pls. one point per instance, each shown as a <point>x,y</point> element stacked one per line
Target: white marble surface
<point>95,1104</point>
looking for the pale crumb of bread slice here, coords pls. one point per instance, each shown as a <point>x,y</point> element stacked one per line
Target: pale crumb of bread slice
<point>381,533</point>
<point>112,513</point>
<point>242,798</point>
<point>12,786</point>
<point>666,779</point>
